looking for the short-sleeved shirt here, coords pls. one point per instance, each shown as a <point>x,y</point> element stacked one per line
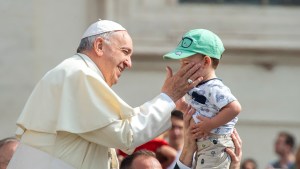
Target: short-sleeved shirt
<point>208,98</point>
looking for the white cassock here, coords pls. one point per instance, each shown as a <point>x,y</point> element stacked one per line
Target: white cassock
<point>74,119</point>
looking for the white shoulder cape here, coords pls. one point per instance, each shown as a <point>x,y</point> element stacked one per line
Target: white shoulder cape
<point>72,97</point>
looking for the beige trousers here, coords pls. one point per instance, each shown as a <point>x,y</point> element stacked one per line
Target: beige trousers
<point>211,152</point>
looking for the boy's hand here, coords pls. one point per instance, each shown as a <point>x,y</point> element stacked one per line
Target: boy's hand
<point>203,128</point>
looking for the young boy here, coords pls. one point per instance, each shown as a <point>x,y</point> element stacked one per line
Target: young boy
<point>216,108</point>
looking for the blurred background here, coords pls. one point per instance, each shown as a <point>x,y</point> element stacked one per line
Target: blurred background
<point>261,64</point>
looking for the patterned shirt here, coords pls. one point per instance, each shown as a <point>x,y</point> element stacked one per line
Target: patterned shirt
<point>208,98</point>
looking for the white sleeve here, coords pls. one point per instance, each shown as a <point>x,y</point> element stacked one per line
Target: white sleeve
<point>151,119</point>
<point>221,96</point>
<point>182,166</point>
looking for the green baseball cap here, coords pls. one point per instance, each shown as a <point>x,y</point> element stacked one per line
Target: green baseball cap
<point>197,41</point>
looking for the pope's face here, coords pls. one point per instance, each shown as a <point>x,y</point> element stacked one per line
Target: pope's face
<point>116,56</point>
<point>176,132</point>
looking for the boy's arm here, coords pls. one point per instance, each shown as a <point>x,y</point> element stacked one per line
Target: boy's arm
<point>226,114</point>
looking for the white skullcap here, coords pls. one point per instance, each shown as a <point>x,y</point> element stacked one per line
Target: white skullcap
<point>102,26</point>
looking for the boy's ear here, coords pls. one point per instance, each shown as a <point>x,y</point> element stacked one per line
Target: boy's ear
<point>98,44</point>
<point>207,60</point>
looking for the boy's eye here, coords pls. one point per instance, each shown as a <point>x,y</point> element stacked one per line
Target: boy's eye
<point>184,62</point>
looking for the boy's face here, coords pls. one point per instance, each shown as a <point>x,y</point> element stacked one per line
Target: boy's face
<point>197,58</point>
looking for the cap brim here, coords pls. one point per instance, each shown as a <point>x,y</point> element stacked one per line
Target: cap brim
<point>178,54</point>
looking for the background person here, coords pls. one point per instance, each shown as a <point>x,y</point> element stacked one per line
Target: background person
<point>297,162</point>
<point>249,163</point>
<point>142,159</point>
<point>176,133</point>
<point>163,151</point>
<point>284,148</point>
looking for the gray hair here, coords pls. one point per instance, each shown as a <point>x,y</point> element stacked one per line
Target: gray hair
<point>87,42</point>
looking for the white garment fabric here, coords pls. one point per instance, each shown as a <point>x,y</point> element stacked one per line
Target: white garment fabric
<point>24,155</point>
<point>208,98</point>
<point>172,165</point>
<point>74,116</point>
<point>182,166</point>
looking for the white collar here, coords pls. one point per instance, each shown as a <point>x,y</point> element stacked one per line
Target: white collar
<point>89,63</point>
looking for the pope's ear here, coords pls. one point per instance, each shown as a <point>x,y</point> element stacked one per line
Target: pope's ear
<point>98,45</point>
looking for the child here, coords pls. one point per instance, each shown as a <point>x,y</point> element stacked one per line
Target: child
<point>216,108</point>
